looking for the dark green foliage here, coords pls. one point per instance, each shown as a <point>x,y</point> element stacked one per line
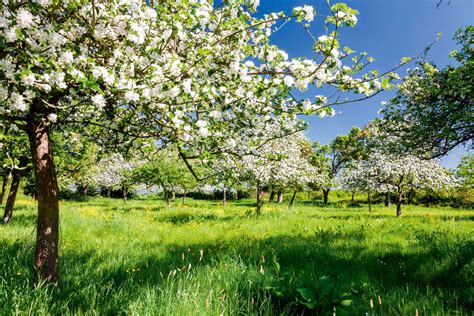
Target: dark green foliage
<point>433,111</point>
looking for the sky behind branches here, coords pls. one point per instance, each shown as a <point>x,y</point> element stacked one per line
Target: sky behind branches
<point>387,30</point>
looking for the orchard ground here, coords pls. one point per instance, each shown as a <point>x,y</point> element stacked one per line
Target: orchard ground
<point>200,258</point>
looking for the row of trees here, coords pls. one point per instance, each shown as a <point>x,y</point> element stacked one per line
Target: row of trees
<point>356,162</point>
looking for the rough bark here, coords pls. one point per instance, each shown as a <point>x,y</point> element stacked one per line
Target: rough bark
<point>4,187</point>
<point>292,201</point>
<point>16,177</point>
<point>280,196</point>
<point>47,233</point>
<point>388,199</point>
<point>326,196</point>
<point>272,196</point>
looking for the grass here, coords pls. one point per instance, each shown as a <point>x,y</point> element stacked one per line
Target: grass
<point>203,259</point>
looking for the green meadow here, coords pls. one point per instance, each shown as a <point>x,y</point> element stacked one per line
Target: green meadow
<point>201,258</point>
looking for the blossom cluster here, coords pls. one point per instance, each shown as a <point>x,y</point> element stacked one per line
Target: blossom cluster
<point>388,173</point>
<point>188,73</point>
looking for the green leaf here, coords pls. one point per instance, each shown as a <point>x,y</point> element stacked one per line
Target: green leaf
<point>307,294</point>
<point>346,302</point>
<point>405,60</point>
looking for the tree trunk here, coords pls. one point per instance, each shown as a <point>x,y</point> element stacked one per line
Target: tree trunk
<point>16,177</point>
<point>4,187</point>
<point>125,194</point>
<point>259,200</point>
<point>353,198</point>
<point>47,233</point>
<point>240,194</point>
<point>292,201</point>
<point>167,199</point>
<point>388,200</point>
<point>85,189</point>
<point>184,197</point>
<point>309,195</point>
<point>326,195</point>
<point>272,196</point>
<point>280,196</point>
<point>108,193</point>
<point>224,196</point>
<point>399,203</point>
<point>369,200</point>
<point>174,196</point>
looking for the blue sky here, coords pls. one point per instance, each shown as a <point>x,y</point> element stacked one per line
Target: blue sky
<point>388,30</point>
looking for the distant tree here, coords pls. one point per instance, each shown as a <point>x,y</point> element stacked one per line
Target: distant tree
<point>166,170</point>
<point>331,159</point>
<point>433,111</point>
<point>114,173</point>
<point>75,159</point>
<point>388,173</point>
<point>281,164</point>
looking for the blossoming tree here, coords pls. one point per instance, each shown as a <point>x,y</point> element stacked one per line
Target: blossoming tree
<point>200,76</point>
<point>114,172</point>
<point>388,173</point>
<point>281,164</point>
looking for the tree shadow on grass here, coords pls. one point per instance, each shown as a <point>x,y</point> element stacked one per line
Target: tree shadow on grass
<point>311,258</point>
